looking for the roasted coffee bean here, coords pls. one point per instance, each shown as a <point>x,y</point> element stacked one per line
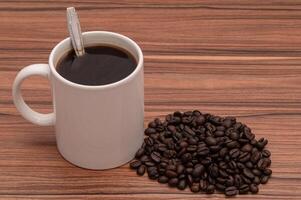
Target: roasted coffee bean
<point>171,174</point>
<point>141,170</point>
<point>266,153</point>
<point>267,172</point>
<point>244,157</point>
<point>220,186</point>
<point>255,156</point>
<point>244,189</point>
<point>219,133</point>
<point>223,152</point>
<point>210,189</point>
<point>139,153</point>
<point>173,182</point>
<point>234,153</point>
<point>180,169</point>
<point>263,163</point>
<point>256,172</point>
<point>198,171</point>
<point>253,188</point>
<point>150,131</point>
<point>234,135</point>
<point>149,163</point>
<point>163,179</point>
<point>247,148</point>
<point>249,165</point>
<point>155,156</point>
<point>256,180</point>
<point>203,184</point>
<point>182,184</point>
<point>232,144</point>
<point>203,151</point>
<point>248,173</point>
<point>211,141</point>
<point>135,164</point>
<point>189,170</point>
<point>195,187</point>
<point>264,179</point>
<point>231,191</point>
<point>261,143</point>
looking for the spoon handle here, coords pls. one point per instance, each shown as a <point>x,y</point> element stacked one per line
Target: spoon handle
<point>75,31</point>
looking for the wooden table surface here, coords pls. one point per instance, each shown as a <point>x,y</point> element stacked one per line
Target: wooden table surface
<point>239,58</point>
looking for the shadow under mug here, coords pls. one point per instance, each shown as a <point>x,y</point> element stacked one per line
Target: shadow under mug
<point>97,127</point>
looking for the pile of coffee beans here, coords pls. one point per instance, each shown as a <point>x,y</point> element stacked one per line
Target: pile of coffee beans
<point>203,152</point>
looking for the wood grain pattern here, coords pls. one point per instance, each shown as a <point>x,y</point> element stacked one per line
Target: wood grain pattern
<point>240,58</point>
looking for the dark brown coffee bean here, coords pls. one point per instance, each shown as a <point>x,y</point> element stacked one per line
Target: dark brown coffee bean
<point>223,152</point>
<point>211,141</point>
<point>149,141</point>
<point>237,180</point>
<point>249,165</point>
<point>186,157</point>
<point>139,153</point>
<point>231,191</point>
<point>180,169</point>
<point>189,170</point>
<point>267,172</point>
<point>220,186</point>
<point>149,163</point>
<point>229,181</point>
<point>219,133</point>
<point>163,179</point>
<point>256,172</point>
<point>232,144</point>
<point>200,120</point>
<point>247,148</point>
<point>135,164</point>
<point>234,153</point>
<point>244,157</point>
<point>155,156</point>
<point>191,148</point>
<point>253,188</point>
<point>264,179</point>
<point>203,184</point>
<point>173,182</point>
<point>214,148</point>
<point>141,170</point>
<point>263,163</point>
<point>150,131</point>
<point>171,167</point>
<point>261,143</point>
<point>144,158</point>
<point>266,153</point>
<point>246,180</point>
<point>256,180</point>
<point>248,173</point>
<point>198,171</point>
<point>184,144</point>
<point>255,156</point>
<point>195,187</point>
<point>213,171</point>
<point>171,174</point>
<point>182,184</point>
<point>244,189</point>
<point>202,151</point>
<point>152,124</point>
<point>210,189</point>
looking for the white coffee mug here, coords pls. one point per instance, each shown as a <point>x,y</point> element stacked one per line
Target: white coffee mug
<point>97,127</point>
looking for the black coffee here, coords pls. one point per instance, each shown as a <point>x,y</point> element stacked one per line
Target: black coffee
<point>205,153</point>
<point>100,65</point>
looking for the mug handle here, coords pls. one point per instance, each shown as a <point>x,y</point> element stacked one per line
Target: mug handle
<point>22,107</point>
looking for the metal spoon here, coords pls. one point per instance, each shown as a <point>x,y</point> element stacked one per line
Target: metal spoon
<point>75,32</point>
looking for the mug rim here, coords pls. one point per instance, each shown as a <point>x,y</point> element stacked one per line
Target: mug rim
<point>93,87</point>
